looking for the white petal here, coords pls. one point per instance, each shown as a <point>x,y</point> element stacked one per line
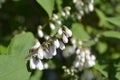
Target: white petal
<point>40,53</point>
<point>37,44</point>
<point>46,37</point>
<point>39,65</point>
<point>32,64</point>
<point>40,33</point>
<point>65,39</point>
<point>62,46</point>
<point>60,32</point>
<point>47,54</point>
<point>56,43</point>
<point>52,50</point>
<point>52,26</point>
<point>55,16</point>
<point>58,22</point>
<point>91,7</point>
<point>68,32</point>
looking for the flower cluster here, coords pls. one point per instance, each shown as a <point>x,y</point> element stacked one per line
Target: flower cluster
<point>83,59</point>
<point>47,49</point>
<point>83,5</point>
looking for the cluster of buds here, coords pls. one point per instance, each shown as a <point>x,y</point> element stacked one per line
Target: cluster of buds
<point>66,11</point>
<point>48,49</point>
<point>83,58</point>
<point>83,5</point>
<point>54,21</point>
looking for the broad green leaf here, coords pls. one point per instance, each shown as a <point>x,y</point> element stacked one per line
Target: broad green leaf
<point>101,68</point>
<point>102,47</point>
<point>114,20</point>
<point>13,68</point>
<point>112,34</point>
<point>21,44</point>
<point>48,5</point>
<point>79,32</point>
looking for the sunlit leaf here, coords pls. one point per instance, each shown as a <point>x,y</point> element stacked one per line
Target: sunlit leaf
<point>112,34</point>
<point>21,44</point>
<point>102,47</point>
<point>79,32</point>
<point>13,68</point>
<point>48,5</point>
<point>114,20</point>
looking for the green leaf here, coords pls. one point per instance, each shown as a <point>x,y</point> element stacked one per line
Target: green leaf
<point>103,22</point>
<point>48,6</point>
<point>3,49</point>
<point>21,44</point>
<point>112,34</point>
<point>102,47</point>
<point>13,68</point>
<point>101,68</point>
<point>37,75</point>
<point>114,20</point>
<point>79,32</point>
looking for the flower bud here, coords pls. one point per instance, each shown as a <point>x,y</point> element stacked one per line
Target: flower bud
<point>68,32</point>
<point>40,53</point>
<point>52,26</point>
<point>56,43</point>
<point>64,38</point>
<point>39,65</point>
<point>60,32</point>
<point>62,46</point>
<point>32,64</point>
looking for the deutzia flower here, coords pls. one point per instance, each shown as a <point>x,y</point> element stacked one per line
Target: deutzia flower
<point>68,32</point>
<point>52,26</point>
<point>36,64</point>
<point>40,32</point>
<point>64,38</point>
<point>62,46</point>
<point>60,32</point>
<point>56,43</point>
<point>40,53</point>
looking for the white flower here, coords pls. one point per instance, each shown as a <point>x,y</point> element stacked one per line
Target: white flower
<point>55,17</point>
<point>37,45</point>
<point>32,64</point>
<point>36,64</point>
<point>52,50</point>
<point>40,53</point>
<point>62,46</point>
<point>46,37</point>
<point>40,33</point>
<point>68,32</point>
<point>77,51</point>
<point>58,22</point>
<point>56,43</point>
<point>64,38</point>
<point>52,26</point>
<point>63,13</point>
<point>47,54</point>
<point>90,7</point>
<point>39,65</point>
<point>60,32</point>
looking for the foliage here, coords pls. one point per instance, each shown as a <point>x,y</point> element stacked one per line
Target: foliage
<point>98,29</point>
